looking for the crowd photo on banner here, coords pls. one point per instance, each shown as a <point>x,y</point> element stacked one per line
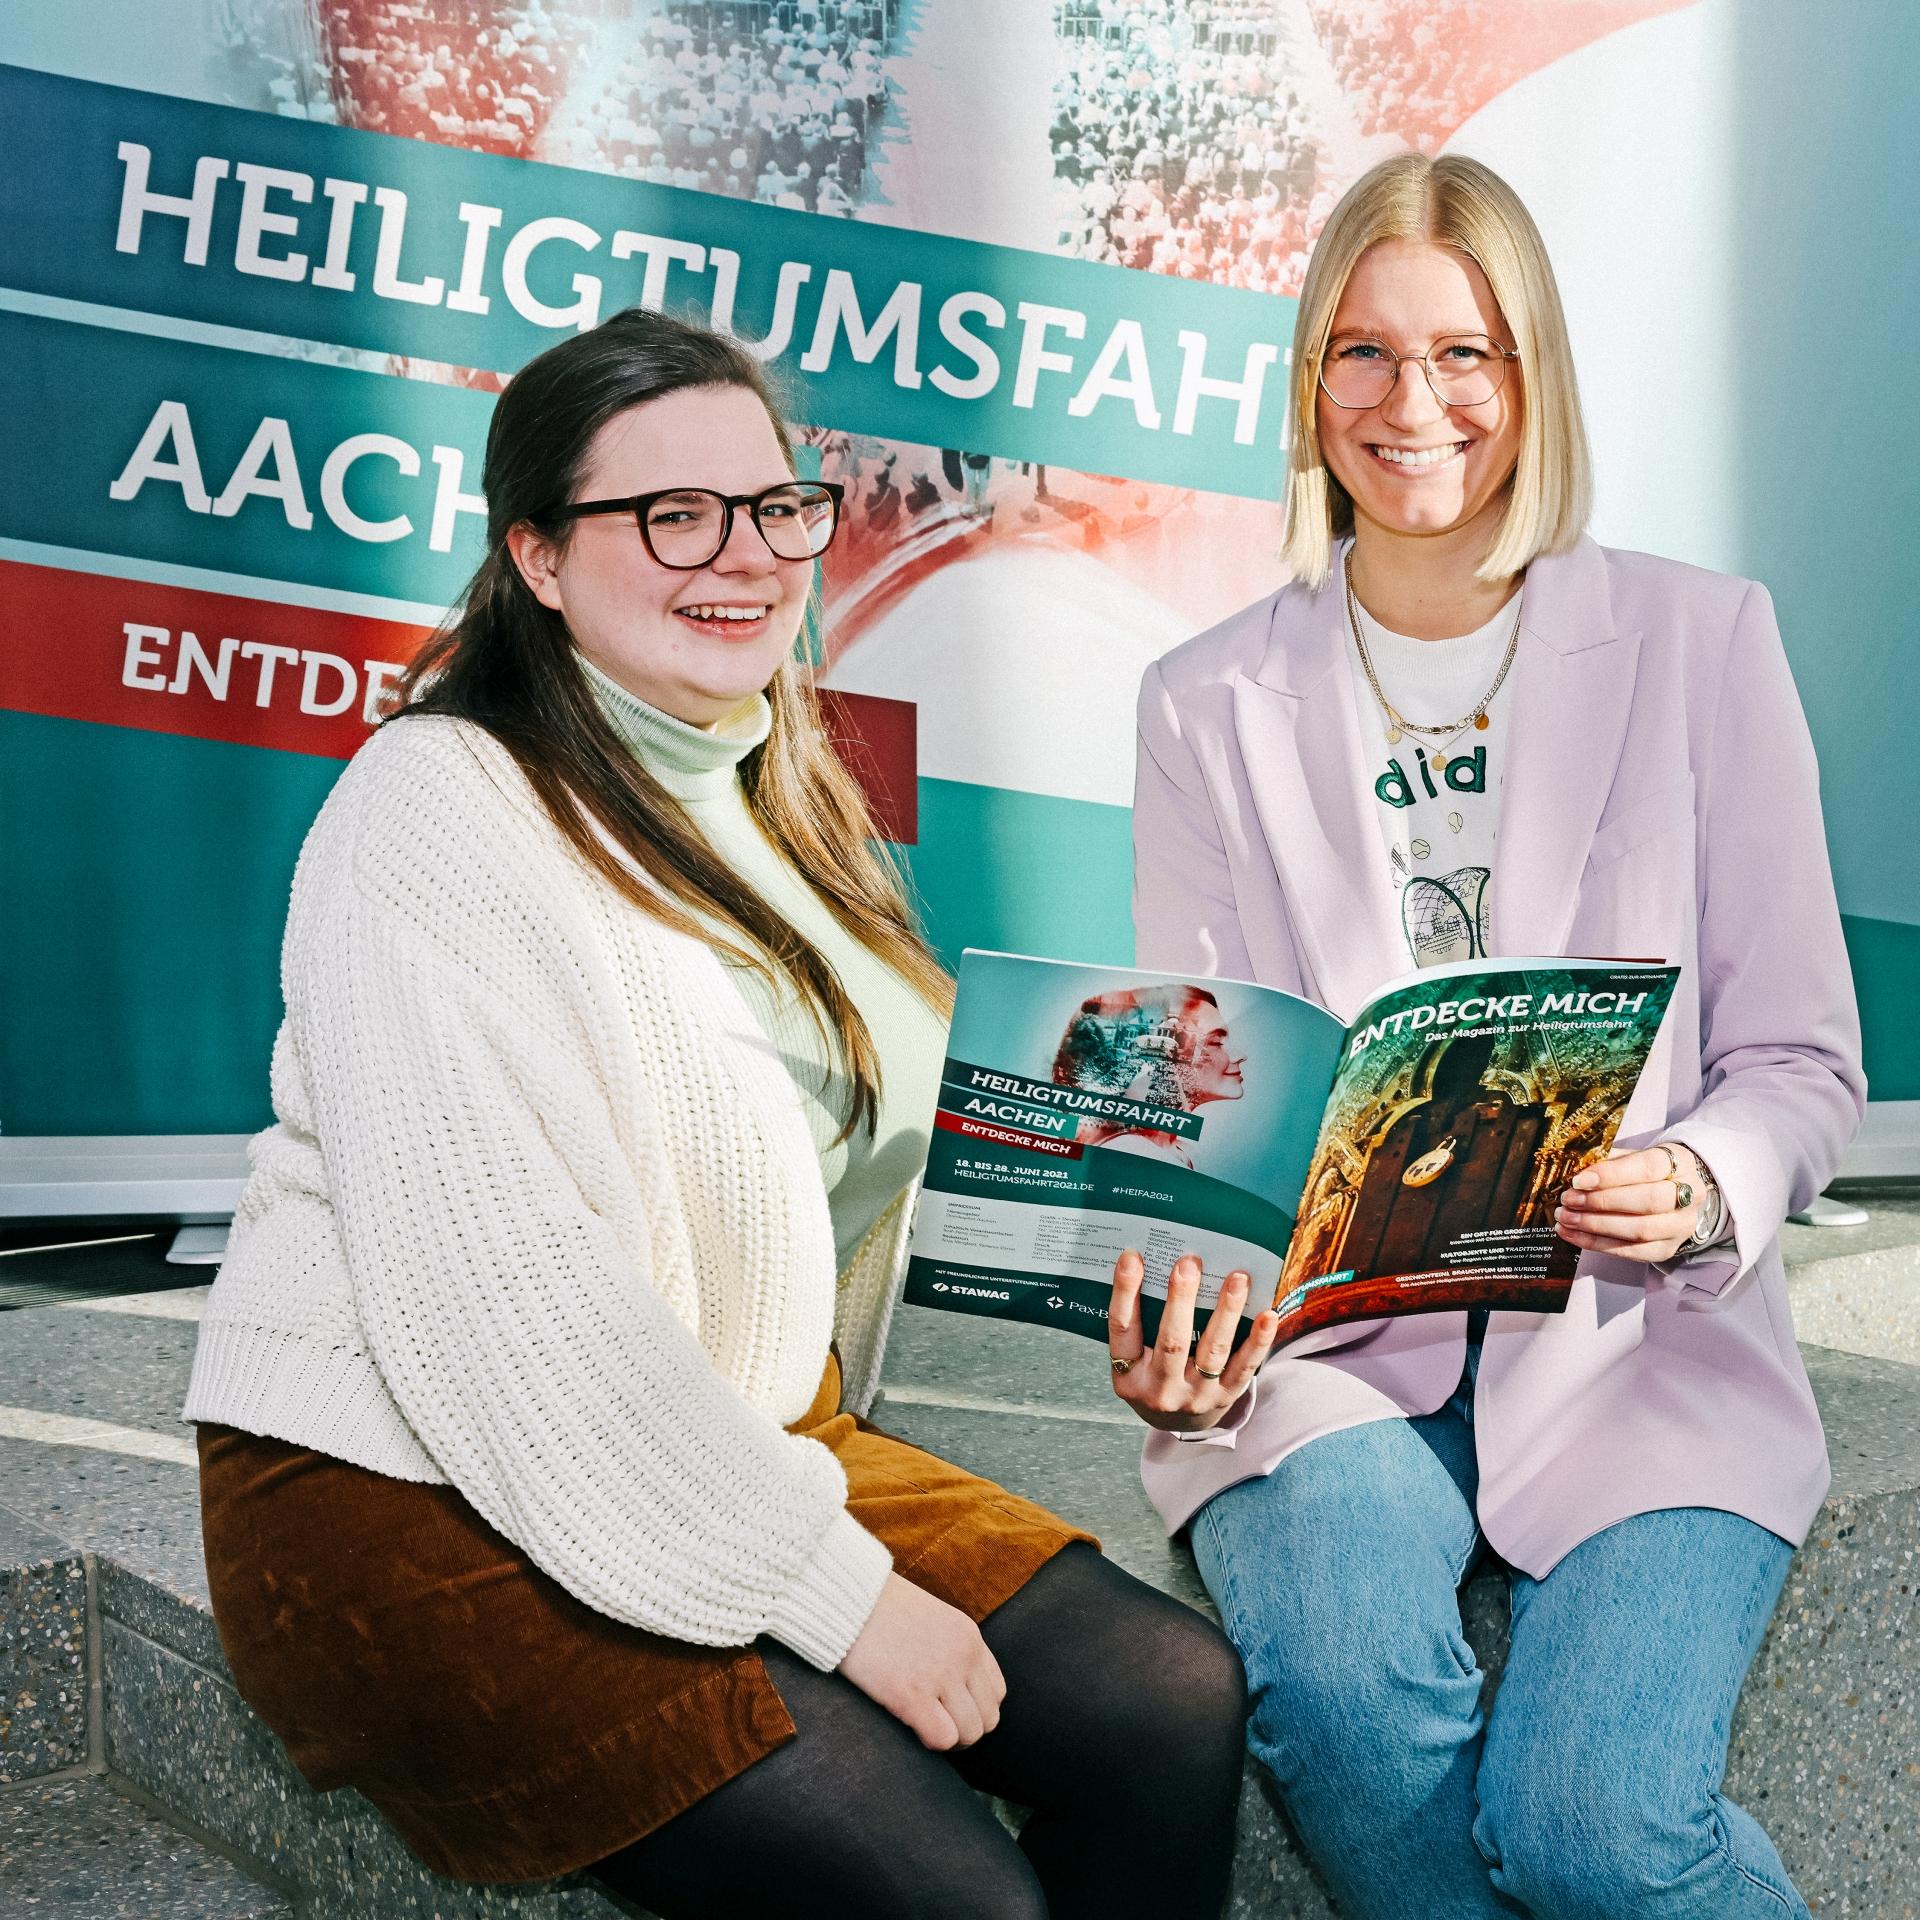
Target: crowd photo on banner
<point>1206,139</point>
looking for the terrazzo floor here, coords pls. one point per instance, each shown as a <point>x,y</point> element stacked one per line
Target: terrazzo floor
<point>73,1849</point>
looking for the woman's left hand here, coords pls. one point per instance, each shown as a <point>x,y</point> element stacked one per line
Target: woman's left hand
<point>1625,1205</point>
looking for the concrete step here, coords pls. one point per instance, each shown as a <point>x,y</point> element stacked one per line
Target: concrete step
<point>1858,1288</point>
<point>43,1652</point>
<point>101,1574</point>
<point>1826,1744</point>
<point>100,1563</point>
<point>72,1848</point>
<point>1866,1303</point>
<point>175,1725</point>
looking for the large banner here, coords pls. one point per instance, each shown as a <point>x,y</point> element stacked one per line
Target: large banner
<point>1025,270</point>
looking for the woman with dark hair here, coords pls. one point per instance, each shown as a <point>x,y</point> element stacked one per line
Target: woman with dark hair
<point>538,1502</point>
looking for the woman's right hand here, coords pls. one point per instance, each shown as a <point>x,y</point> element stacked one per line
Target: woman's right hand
<point>926,1663</point>
<point>1177,1387</point>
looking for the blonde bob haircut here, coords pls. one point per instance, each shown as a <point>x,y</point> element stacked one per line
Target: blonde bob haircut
<point>1452,202</point>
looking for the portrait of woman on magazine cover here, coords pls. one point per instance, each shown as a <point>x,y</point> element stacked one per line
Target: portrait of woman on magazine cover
<point>1165,1047</point>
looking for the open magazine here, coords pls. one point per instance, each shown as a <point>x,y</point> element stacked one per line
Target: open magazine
<point>1407,1163</point>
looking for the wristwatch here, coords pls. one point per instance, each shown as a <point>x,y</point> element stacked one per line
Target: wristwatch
<point>1713,1207</point>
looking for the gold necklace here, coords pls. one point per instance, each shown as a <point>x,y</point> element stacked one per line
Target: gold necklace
<point>1397,722</point>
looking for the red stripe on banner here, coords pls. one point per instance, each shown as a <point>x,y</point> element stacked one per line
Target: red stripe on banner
<point>132,653</point>
<point>257,673</point>
<point>879,740</point>
<point>1009,1137</point>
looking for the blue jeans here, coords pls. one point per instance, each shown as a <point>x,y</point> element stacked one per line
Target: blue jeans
<point>1591,1790</point>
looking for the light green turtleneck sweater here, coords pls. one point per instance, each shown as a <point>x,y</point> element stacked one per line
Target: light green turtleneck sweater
<point>701,770</point>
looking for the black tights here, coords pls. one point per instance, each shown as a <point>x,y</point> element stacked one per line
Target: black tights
<point>1122,1729</point>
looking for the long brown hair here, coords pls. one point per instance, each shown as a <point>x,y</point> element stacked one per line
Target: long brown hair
<point>508,664</point>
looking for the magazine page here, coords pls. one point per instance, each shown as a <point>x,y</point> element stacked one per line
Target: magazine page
<point>1467,1097</point>
<point>1085,1110</point>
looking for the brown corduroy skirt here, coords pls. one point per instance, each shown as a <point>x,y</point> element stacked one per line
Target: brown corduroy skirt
<point>508,1731</point>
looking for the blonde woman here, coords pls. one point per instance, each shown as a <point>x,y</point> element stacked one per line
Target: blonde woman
<point>1465,729</point>
<point>538,1504</point>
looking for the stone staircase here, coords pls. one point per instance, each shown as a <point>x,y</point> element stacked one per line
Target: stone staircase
<point>135,1784</point>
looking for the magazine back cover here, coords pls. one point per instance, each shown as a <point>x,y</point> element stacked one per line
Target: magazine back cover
<point>1085,1110</point>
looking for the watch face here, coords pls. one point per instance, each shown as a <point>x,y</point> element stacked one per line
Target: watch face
<point>1712,1213</point>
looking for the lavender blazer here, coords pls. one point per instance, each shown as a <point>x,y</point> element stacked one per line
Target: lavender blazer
<point>1660,799</point>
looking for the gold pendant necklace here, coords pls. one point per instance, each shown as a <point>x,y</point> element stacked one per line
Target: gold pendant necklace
<point>1398,725</point>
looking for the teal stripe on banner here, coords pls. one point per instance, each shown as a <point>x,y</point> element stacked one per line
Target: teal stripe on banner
<point>159,205</point>
<point>146,881</point>
<point>1023,873</point>
<point>145,878</point>
<point>170,425</point>
<point>1886,963</point>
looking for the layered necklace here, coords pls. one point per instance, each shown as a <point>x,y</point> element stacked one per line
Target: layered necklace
<point>1441,736</point>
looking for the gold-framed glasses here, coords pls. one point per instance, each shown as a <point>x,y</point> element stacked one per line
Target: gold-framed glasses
<point>1463,369</point>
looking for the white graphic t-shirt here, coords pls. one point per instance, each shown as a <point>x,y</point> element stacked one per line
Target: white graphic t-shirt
<point>1437,823</point>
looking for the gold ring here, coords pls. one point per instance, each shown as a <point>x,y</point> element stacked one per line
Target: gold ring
<point>1204,1374</point>
<point>1123,1366</point>
<point>1682,1189</point>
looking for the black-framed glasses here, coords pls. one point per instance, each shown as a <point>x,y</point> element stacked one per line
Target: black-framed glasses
<point>686,527</point>
<point>1463,369</point>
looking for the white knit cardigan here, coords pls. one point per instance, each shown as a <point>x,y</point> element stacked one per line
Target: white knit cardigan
<point>541,1218</point>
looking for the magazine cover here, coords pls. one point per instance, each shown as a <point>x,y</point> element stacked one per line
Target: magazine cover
<point>1408,1163</point>
<point>1465,1101</point>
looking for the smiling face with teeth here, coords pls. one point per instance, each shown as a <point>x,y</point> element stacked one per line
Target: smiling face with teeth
<point>1415,467</point>
<point>695,645</point>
